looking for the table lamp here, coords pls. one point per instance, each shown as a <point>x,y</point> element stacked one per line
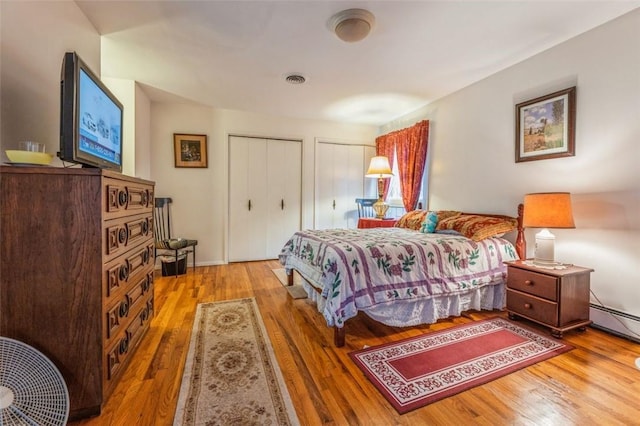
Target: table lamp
<point>379,168</point>
<point>547,210</point>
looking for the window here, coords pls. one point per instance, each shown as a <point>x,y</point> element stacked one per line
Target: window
<point>394,196</point>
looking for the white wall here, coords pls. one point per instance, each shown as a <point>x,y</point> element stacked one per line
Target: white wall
<point>200,195</point>
<point>136,127</point>
<point>142,136</point>
<point>34,36</point>
<point>33,39</point>
<point>472,152</point>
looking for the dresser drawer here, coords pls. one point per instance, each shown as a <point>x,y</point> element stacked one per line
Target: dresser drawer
<point>123,234</point>
<point>127,306</point>
<point>126,198</point>
<point>117,354</point>
<point>535,308</point>
<point>132,266</point>
<point>533,283</point>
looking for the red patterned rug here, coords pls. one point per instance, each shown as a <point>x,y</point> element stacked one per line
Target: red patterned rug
<point>420,370</point>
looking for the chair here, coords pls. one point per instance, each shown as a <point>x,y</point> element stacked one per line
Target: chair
<point>164,242</point>
<point>365,207</point>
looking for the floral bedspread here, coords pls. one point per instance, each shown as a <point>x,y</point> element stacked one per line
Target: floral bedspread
<point>358,269</point>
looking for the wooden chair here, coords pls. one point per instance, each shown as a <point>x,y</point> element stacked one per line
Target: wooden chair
<point>365,207</point>
<point>164,242</point>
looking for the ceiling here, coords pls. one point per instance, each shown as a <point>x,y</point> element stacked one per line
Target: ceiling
<point>236,54</point>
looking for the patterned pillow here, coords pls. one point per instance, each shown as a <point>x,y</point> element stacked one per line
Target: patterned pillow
<point>444,214</point>
<point>478,227</point>
<point>430,222</point>
<point>412,220</point>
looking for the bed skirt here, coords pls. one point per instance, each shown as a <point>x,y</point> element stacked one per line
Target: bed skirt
<point>424,310</point>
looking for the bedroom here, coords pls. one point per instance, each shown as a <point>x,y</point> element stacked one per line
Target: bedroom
<point>602,176</point>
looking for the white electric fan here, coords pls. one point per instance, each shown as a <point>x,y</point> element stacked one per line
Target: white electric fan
<point>32,390</point>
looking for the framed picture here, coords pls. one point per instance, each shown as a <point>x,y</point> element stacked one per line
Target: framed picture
<point>545,126</point>
<point>190,150</point>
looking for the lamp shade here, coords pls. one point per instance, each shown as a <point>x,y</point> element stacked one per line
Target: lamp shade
<point>379,168</point>
<point>548,210</point>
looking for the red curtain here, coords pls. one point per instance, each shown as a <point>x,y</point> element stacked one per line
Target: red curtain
<point>411,147</point>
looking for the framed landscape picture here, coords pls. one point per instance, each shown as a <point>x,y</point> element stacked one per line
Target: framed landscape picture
<point>545,126</point>
<point>190,150</point>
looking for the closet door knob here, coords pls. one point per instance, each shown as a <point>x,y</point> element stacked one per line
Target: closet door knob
<point>282,204</point>
<point>249,205</point>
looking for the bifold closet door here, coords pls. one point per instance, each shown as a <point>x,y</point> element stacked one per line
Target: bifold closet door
<point>265,178</point>
<point>247,199</point>
<point>339,181</point>
<point>370,184</point>
<point>284,198</point>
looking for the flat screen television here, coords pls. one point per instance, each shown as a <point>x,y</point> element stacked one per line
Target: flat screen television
<point>90,118</point>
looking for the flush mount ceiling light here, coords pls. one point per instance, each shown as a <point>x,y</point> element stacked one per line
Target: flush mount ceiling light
<point>295,78</point>
<point>351,25</point>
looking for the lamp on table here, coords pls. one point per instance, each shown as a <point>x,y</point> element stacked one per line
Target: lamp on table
<point>547,210</point>
<point>379,168</point>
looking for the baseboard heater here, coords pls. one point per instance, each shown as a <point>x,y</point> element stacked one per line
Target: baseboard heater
<point>611,321</point>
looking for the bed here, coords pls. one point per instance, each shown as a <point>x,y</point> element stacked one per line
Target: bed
<point>432,265</point>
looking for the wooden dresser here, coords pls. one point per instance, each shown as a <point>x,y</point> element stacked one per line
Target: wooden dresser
<point>76,276</point>
<point>556,298</point>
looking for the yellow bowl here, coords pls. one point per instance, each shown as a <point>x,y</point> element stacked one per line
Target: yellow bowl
<point>29,157</point>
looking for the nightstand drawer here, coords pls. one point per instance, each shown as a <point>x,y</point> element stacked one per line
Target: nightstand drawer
<point>532,307</point>
<point>533,283</point>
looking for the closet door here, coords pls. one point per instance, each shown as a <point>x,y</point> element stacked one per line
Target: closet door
<point>284,186</point>
<point>247,198</point>
<point>349,184</point>
<point>325,198</point>
<point>370,184</point>
<point>265,178</point>
<point>339,181</point>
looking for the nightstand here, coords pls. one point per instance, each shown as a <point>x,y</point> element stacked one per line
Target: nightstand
<point>372,222</point>
<point>556,298</point>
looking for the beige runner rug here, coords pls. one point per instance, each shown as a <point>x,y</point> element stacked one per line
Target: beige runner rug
<point>296,290</point>
<point>231,376</point>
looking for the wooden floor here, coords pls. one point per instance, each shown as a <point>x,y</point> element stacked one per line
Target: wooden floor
<point>596,383</point>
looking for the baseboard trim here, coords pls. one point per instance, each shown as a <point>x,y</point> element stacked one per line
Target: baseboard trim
<point>616,333</point>
<point>615,322</point>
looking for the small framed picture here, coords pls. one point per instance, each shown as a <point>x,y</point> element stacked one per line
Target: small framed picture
<point>190,150</point>
<point>545,126</point>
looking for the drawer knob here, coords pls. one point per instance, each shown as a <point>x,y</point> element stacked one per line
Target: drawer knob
<point>146,285</point>
<point>528,282</point>
<point>124,308</point>
<point>122,235</point>
<point>124,272</point>
<point>122,198</point>
<point>124,345</point>
<point>527,305</point>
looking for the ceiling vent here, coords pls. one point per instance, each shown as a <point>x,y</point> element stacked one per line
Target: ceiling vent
<point>295,79</point>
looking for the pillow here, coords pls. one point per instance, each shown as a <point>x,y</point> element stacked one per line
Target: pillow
<point>444,214</point>
<point>430,222</point>
<point>412,220</point>
<point>478,227</point>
